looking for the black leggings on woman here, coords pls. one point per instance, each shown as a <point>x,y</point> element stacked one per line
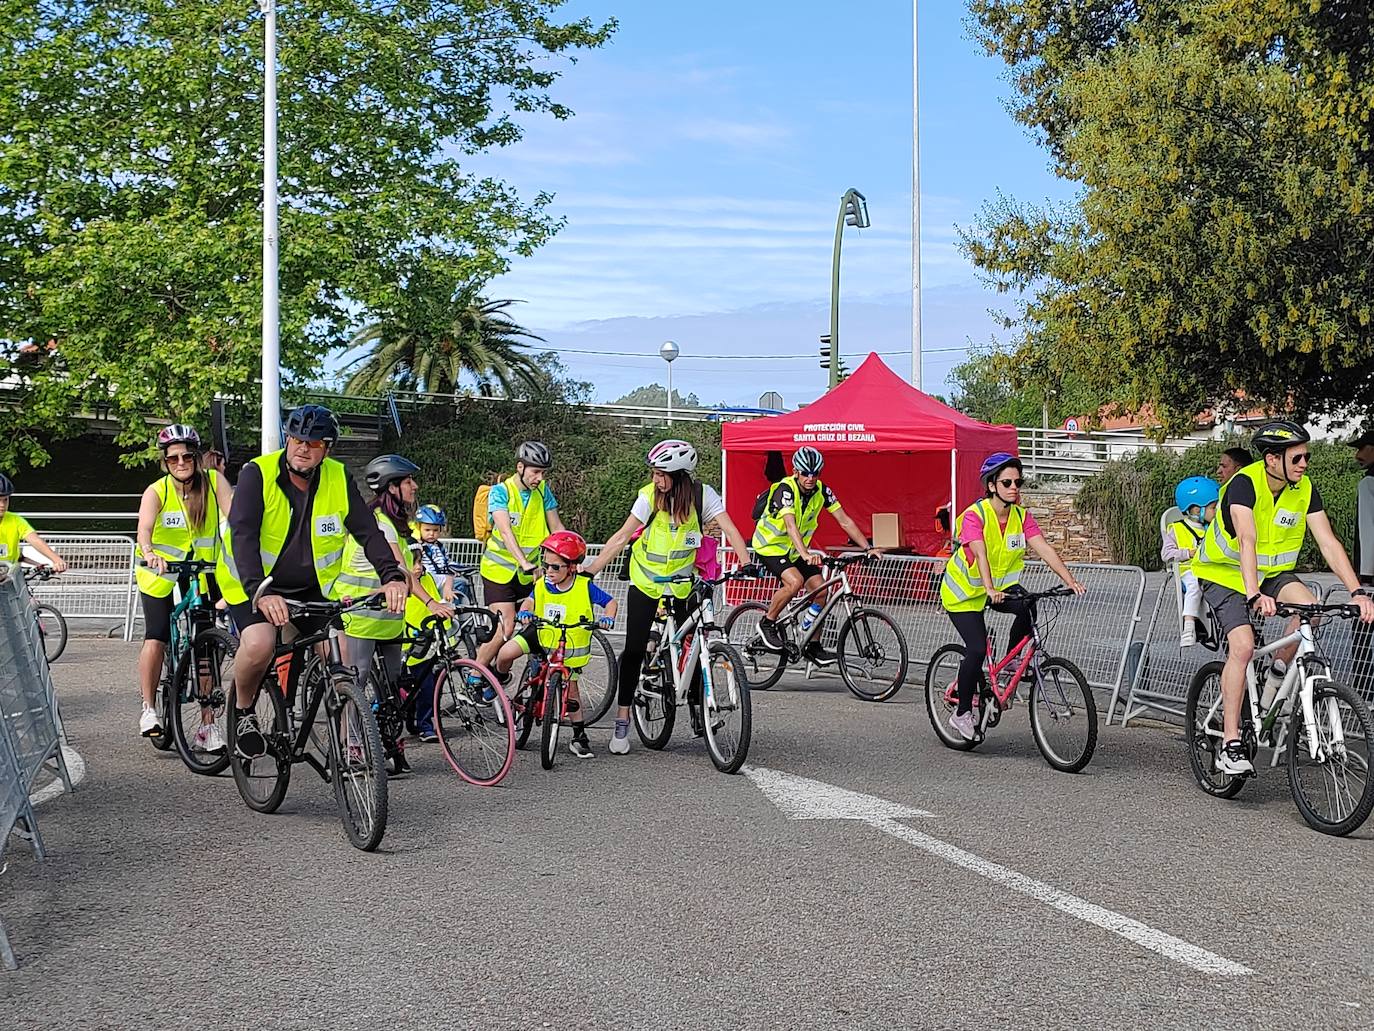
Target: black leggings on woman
<point>974,630</point>
<point>640,610</point>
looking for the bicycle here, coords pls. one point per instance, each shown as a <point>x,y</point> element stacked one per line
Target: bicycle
<point>192,681</point>
<point>354,762</point>
<point>1320,725</point>
<point>542,697</point>
<point>476,733</point>
<point>1063,712</point>
<point>723,713</point>
<point>52,625</point>
<point>868,647</point>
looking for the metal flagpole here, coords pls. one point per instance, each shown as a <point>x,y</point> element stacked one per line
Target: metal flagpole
<point>271,343</point>
<point>915,199</point>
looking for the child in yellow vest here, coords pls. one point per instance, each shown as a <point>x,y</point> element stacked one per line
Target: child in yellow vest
<point>1196,497</point>
<point>563,596</point>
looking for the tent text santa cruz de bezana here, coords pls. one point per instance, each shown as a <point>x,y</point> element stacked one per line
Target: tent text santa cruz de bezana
<point>832,432</point>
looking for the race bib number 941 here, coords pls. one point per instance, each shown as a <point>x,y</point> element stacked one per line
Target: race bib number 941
<point>1016,542</point>
<point>329,526</point>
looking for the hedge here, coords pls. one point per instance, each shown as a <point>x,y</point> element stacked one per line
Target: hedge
<point>1126,498</point>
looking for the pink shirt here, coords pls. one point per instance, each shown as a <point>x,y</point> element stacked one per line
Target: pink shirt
<point>972,529</point>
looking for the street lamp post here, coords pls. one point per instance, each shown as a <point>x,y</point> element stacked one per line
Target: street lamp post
<point>669,351</point>
<point>271,343</point>
<point>853,212</point>
<point>915,200</point>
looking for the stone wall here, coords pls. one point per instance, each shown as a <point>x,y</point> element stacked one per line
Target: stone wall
<point>1075,537</point>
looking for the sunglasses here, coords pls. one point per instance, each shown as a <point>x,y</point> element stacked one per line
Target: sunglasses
<point>555,566</point>
<point>180,459</point>
<point>1011,483</point>
<point>310,445</point>
<point>1301,459</point>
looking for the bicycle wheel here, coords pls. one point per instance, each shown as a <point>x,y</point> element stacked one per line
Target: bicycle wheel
<point>201,691</point>
<point>262,782</point>
<point>1334,792</point>
<point>872,655</point>
<point>763,667</point>
<point>1203,725</point>
<point>597,680</point>
<point>162,705</point>
<point>52,625</point>
<point>478,738</point>
<point>523,706</point>
<point>553,711</point>
<point>654,709</point>
<point>728,719</point>
<point>357,765</point>
<point>1063,716</point>
<point>942,688</point>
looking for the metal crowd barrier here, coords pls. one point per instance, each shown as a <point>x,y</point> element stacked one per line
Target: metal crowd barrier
<point>29,737</point>
<point>99,581</point>
<point>1349,645</point>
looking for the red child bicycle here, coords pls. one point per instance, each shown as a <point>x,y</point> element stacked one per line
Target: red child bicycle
<point>1063,713</point>
<point>542,696</point>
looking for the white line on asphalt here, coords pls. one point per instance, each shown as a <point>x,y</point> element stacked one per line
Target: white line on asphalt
<point>801,798</point>
<point>76,770</point>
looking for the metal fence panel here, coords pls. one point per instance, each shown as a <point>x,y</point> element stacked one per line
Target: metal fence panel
<point>27,703</point>
<point>99,581</point>
<point>1349,644</point>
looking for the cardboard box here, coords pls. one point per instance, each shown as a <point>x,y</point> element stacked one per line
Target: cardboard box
<point>887,530</point>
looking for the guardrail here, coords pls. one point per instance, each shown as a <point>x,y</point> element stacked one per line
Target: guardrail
<point>29,737</point>
<point>1057,454</point>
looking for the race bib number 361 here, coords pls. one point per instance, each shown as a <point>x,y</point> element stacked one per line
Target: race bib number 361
<point>328,526</point>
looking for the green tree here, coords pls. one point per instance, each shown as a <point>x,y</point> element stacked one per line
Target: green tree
<point>655,395</point>
<point>1220,244</point>
<point>131,171</point>
<point>1002,387</point>
<point>436,335</point>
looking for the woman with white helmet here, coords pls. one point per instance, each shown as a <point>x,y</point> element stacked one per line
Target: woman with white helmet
<point>667,510</point>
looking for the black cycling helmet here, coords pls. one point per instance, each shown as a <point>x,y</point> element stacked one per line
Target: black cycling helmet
<point>535,455</point>
<point>1279,435</point>
<point>311,422</point>
<point>384,470</point>
<point>6,486</point>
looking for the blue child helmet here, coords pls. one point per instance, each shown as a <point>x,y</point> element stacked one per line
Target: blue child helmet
<point>430,515</point>
<point>1196,490</point>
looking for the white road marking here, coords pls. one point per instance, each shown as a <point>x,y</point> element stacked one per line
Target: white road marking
<point>76,769</point>
<point>800,798</point>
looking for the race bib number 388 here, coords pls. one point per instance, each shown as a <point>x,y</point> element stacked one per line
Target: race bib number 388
<point>328,525</point>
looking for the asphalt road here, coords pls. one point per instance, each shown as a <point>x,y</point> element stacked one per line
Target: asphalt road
<point>650,891</point>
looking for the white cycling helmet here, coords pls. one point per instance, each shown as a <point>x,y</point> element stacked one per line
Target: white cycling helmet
<point>668,456</point>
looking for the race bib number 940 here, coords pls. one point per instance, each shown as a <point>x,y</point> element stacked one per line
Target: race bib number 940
<point>329,526</point>
<point>1283,517</point>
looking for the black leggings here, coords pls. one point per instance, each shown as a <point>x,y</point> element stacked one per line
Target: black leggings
<point>640,610</point>
<point>974,630</point>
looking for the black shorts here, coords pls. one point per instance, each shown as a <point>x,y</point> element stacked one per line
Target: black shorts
<point>157,617</point>
<point>512,593</point>
<point>775,564</point>
<point>529,635</point>
<point>1229,606</point>
<point>244,615</point>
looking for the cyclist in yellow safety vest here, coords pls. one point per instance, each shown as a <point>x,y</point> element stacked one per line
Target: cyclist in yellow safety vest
<point>993,535</point>
<point>16,531</point>
<point>391,479</point>
<point>179,519</point>
<point>561,595</point>
<point>782,539</point>
<point>1247,559</point>
<point>523,511</point>
<point>294,510</point>
<point>666,512</point>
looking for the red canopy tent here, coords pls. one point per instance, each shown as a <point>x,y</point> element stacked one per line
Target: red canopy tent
<point>888,448</point>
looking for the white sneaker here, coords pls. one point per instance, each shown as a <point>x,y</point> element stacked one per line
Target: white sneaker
<point>964,725</point>
<point>1189,636</point>
<point>620,745</point>
<point>209,738</point>
<point>148,724</point>
<point>1233,761</point>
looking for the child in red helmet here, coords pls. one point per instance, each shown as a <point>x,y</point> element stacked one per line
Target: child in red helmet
<point>563,596</point>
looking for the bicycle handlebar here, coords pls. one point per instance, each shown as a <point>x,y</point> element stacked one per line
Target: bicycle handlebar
<point>837,561</point>
<point>581,624</point>
<point>1308,612</point>
<point>743,573</point>
<point>41,572</point>
<point>333,608</point>
<point>431,623</point>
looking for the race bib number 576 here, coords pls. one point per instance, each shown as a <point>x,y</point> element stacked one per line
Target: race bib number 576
<point>328,526</point>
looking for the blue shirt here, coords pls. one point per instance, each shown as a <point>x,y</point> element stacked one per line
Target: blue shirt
<point>499,498</point>
<point>599,597</point>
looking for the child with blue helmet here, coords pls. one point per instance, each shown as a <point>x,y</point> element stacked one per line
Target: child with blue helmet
<point>430,520</point>
<point>1196,497</point>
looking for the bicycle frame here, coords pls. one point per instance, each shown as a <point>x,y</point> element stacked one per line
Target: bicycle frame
<point>1030,644</point>
<point>334,666</point>
<point>834,579</point>
<point>683,664</point>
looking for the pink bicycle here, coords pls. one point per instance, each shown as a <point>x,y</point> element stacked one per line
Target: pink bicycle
<point>1063,713</point>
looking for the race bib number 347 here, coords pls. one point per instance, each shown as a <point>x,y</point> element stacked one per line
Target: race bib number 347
<point>328,526</point>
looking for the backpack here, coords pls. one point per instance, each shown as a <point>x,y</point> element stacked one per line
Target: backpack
<point>761,502</point>
<point>481,521</point>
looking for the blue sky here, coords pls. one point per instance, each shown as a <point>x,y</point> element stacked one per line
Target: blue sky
<point>701,176</point>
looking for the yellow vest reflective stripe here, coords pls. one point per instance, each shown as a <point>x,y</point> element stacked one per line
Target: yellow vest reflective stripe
<point>417,612</point>
<point>1188,539</point>
<point>326,527</point>
<point>664,551</point>
<point>962,589</point>
<point>1280,528</point>
<point>368,624</point>
<point>770,534</point>
<point>569,607</point>
<point>172,534</point>
<point>529,523</point>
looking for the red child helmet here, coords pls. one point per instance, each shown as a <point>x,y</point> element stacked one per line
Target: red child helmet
<point>566,544</point>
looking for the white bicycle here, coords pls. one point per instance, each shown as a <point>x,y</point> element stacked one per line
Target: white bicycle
<point>1322,727</point>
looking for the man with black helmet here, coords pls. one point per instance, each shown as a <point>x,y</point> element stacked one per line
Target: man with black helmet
<point>1246,561</point>
<point>294,511</point>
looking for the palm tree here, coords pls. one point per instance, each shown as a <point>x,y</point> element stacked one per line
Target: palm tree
<point>435,335</point>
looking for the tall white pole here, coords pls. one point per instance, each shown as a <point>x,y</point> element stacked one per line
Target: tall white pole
<point>915,198</point>
<point>670,393</point>
<point>271,344</point>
